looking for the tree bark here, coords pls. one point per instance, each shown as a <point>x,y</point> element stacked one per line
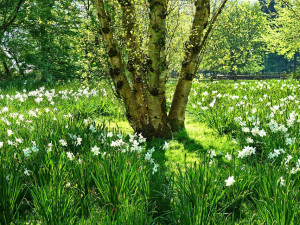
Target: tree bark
<point>189,65</point>
<point>144,94</point>
<point>295,62</point>
<point>145,109</point>
<point>133,48</point>
<point>157,68</point>
<point>117,69</point>
<point>3,58</point>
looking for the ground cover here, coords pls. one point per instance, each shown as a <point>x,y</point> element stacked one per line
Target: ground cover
<point>68,156</point>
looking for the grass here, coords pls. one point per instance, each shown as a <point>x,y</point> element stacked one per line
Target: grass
<point>187,144</point>
<point>69,157</point>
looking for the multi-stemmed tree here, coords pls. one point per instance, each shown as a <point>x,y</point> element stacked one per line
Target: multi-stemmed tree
<point>138,37</point>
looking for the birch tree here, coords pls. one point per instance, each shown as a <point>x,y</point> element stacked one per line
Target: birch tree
<point>139,37</point>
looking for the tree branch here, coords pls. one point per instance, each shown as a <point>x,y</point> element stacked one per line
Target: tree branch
<point>5,25</point>
<point>212,22</point>
<point>209,29</point>
<point>193,46</point>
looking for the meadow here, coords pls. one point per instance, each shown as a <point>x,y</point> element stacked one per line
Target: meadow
<point>68,156</point>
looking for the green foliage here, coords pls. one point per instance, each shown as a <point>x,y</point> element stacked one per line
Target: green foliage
<point>61,164</point>
<point>117,179</point>
<point>52,40</point>
<point>276,200</point>
<point>44,180</point>
<point>196,202</point>
<point>53,201</point>
<point>283,30</point>
<point>276,63</point>
<point>62,39</point>
<point>12,188</point>
<point>236,44</point>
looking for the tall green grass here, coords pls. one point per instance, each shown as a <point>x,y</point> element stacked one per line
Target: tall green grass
<point>62,165</point>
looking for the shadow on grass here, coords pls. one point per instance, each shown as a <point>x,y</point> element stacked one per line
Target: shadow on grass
<point>161,186</point>
<point>189,143</point>
<point>161,190</point>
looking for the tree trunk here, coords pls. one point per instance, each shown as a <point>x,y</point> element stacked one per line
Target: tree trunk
<point>233,74</point>
<point>189,65</point>
<point>4,57</point>
<point>180,100</point>
<point>145,107</point>
<point>6,69</point>
<point>140,78</point>
<point>156,124</point>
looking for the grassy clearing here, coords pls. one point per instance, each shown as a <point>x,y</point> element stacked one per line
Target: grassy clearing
<point>67,156</point>
<point>186,145</point>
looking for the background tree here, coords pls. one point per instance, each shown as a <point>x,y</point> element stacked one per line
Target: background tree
<point>236,45</point>
<point>51,40</point>
<point>9,12</point>
<point>283,32</point>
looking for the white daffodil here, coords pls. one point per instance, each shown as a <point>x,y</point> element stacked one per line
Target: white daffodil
<point>95,150</point>
<point>230,181</point>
